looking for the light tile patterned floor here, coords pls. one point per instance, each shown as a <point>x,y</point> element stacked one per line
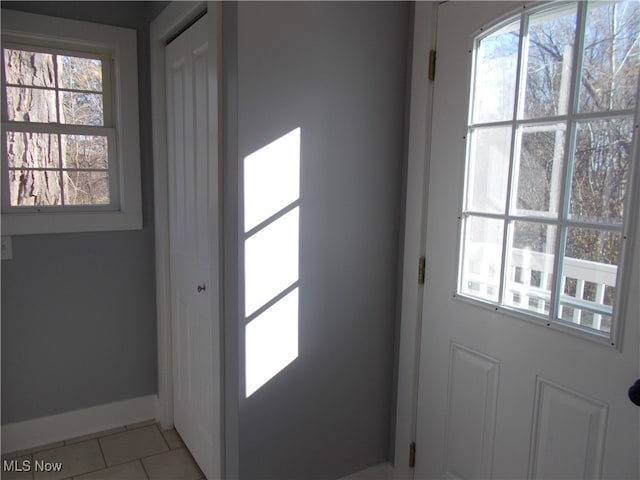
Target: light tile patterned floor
<point>142,451</point>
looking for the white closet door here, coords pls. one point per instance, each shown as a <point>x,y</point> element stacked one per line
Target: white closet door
<point>194,278</point>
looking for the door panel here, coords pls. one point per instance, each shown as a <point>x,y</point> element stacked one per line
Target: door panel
<point>471,418</point>
<point>498,396</point>
<point>196,343</point>
<point>570,423</point>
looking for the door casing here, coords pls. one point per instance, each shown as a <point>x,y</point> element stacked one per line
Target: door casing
<point>420,105</point>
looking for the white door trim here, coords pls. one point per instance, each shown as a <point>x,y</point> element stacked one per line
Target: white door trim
<point>171,20</point>
<point>414,235</point>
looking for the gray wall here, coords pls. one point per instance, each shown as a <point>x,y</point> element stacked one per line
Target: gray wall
<point>78,310</point>
<point>338,71</point>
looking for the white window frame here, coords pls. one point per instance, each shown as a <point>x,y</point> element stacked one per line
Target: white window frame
<point>120,46</point>
<point>612,338</point>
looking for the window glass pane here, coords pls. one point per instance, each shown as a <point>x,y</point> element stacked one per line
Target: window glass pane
<point>530,266</point>
<point>550,53</point>
<point>32,150</point>
<point>29,68</point>
<point>85,151</point>
<point>601,170</point>
<point>496,73</point>
<point>596,321</point>
<point>599,246</point>
<point>34,187</point>
<point>611,59</point>
<point>482,257</point>
<point>589,270</point>
<point>86,188</point>
<point>539,169</point>
<point>31,105</point>
<point>76,73</point>
<point>81,108</point>
<point>488,169</point>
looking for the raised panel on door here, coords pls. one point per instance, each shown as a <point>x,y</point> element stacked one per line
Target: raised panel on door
<point>569,431</point>
<point>470,424</point>
<point>500,396</point>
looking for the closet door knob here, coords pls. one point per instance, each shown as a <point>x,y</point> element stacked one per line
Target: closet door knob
<point>201,288</point>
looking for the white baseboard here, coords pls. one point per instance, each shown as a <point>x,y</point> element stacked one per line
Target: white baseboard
<point>384,471</point>
<point>45,430</point>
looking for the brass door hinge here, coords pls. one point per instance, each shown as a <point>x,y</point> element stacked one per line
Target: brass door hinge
<point>412,455</point>
<point>421,267</point>
<point>432,65</point>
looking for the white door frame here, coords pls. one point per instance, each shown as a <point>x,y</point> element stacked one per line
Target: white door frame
<point>175,17</point>
<point>420,107</point>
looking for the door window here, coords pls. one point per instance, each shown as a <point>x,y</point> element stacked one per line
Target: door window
<point>551,149</point>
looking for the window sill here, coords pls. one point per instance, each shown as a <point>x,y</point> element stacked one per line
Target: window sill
<point>68,222</point>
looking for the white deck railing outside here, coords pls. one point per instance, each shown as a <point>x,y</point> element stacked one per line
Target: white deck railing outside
<point>585,285</point>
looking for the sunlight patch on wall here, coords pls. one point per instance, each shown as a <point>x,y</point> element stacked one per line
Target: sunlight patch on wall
<point>271,341</point>
<point>271,179</point>
<point>271,253</point>
<point>271,261</point>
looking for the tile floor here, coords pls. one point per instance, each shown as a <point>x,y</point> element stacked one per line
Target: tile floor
<point>142,451</point>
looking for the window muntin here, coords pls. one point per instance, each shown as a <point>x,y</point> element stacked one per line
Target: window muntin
<point>549,162</point>
<point>57,125</point>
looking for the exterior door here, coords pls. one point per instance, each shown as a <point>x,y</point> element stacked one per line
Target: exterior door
<point>194,278</point>
<point>500,396</point>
